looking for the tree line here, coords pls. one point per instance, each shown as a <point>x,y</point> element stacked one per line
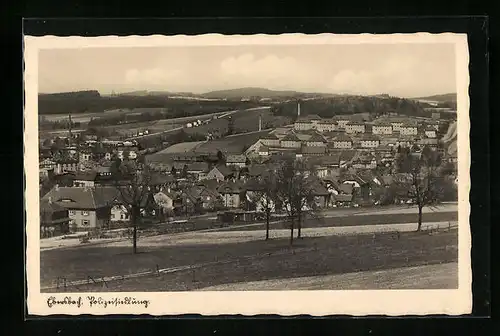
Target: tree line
<point>329,107</point>
<point>92,101</point>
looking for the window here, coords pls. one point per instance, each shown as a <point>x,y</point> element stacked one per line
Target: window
<point>122,216</point>
<point>72,212</point>
<point>85,223</point>
<point>85,213</point>
<point>112,216</point>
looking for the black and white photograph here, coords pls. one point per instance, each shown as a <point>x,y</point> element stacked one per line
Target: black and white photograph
<point>246,175</point>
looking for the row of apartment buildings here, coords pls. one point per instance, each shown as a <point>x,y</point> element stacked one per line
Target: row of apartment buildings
<point>353,125</point>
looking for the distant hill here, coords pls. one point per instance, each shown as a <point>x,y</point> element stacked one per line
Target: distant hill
<point>447,97</point>
<point>250,92</point>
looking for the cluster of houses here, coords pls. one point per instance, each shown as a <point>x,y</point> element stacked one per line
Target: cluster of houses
<point>345,152</point>
<point>89,203</point>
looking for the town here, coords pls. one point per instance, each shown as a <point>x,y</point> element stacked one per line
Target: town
<point>161,191</point>
<point>349,161</point>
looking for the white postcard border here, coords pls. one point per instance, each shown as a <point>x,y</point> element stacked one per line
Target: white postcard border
<point>286,303</point>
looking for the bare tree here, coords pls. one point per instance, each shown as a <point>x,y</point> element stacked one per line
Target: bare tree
<point>133,182</point>
<point>294,191</point>
<point>423,182</point>
<point>264,197</point>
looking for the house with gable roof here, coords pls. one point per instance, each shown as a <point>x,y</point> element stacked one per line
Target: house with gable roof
<point>316,140</point>
<point>291,141</point>
<point>220,173</point>
<point>342,141</point>
<point>232,193</point>
<point>88,208</point>
<point>54,219</point>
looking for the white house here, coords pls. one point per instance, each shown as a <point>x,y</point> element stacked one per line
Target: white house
<point>408,129</point>
<point>119,213</point>
<point>342,141</point>
<point>430,132</point>
<point>326,125</point>
<point>353,128</point>
<point>382,129</point>
<point>303,125</point>
<point>164,199</point>
<point>370,141</point>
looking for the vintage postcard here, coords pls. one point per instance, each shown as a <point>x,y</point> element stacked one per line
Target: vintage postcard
<point>263,174</point>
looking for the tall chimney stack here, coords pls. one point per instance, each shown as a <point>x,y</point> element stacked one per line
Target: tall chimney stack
<point>260,123</point>
<point>69,133</point>
<point>298,109</point>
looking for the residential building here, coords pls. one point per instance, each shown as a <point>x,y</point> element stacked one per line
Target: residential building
<point>313,150</point>
<point>364,161</point>
<point>430,132</point>
<point>65,166</point>
<point>85,179</point>
<point>270,140</point>
<point>119,213</point>
<point>206,197</point>
<point>220,173</point>
<point>370,141</point>
<point>165,200</point>
<point>54,219</point>
<point>236,160</point>
<point>342,121</point>
<point>303,124</point>
<point>407,129</point>
<point>85,155</point>
<point>396,125</point>
<point>291,141</point>
<point>328,125</point>
<point>88,208</point>
<point>264,151</point>
<point>354,128</point>
<point>47,164</point>
<point>316,140</point>
<point>405,141</point>
<point>232,193</point>
<point>198,169</point>
<point>382,129</point>
<point>342,141</point>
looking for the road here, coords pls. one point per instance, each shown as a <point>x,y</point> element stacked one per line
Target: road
<point>205,116</point>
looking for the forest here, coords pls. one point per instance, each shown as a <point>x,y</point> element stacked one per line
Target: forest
<point>93,101</point>
<point>329,107</point>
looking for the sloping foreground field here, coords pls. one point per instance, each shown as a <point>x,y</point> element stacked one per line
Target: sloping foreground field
<point>437,276</point>
<point>193,267</point>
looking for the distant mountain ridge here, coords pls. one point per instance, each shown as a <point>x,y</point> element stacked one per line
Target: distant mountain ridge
<point>249,92</point>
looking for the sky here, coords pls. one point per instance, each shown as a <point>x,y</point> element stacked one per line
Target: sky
<point>404,70</point>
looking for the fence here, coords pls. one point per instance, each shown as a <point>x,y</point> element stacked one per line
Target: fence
<point>62,283</point>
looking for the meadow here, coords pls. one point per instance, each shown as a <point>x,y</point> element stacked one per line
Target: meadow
<point>232,263</point>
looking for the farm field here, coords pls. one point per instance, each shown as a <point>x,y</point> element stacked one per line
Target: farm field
<point>232,263</point>
<point>244,121</point>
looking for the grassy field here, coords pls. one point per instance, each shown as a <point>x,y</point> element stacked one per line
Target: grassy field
<point>352,220</point>
<point>246,261</point>
<point>244,121</point>
<point>436,276</point>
